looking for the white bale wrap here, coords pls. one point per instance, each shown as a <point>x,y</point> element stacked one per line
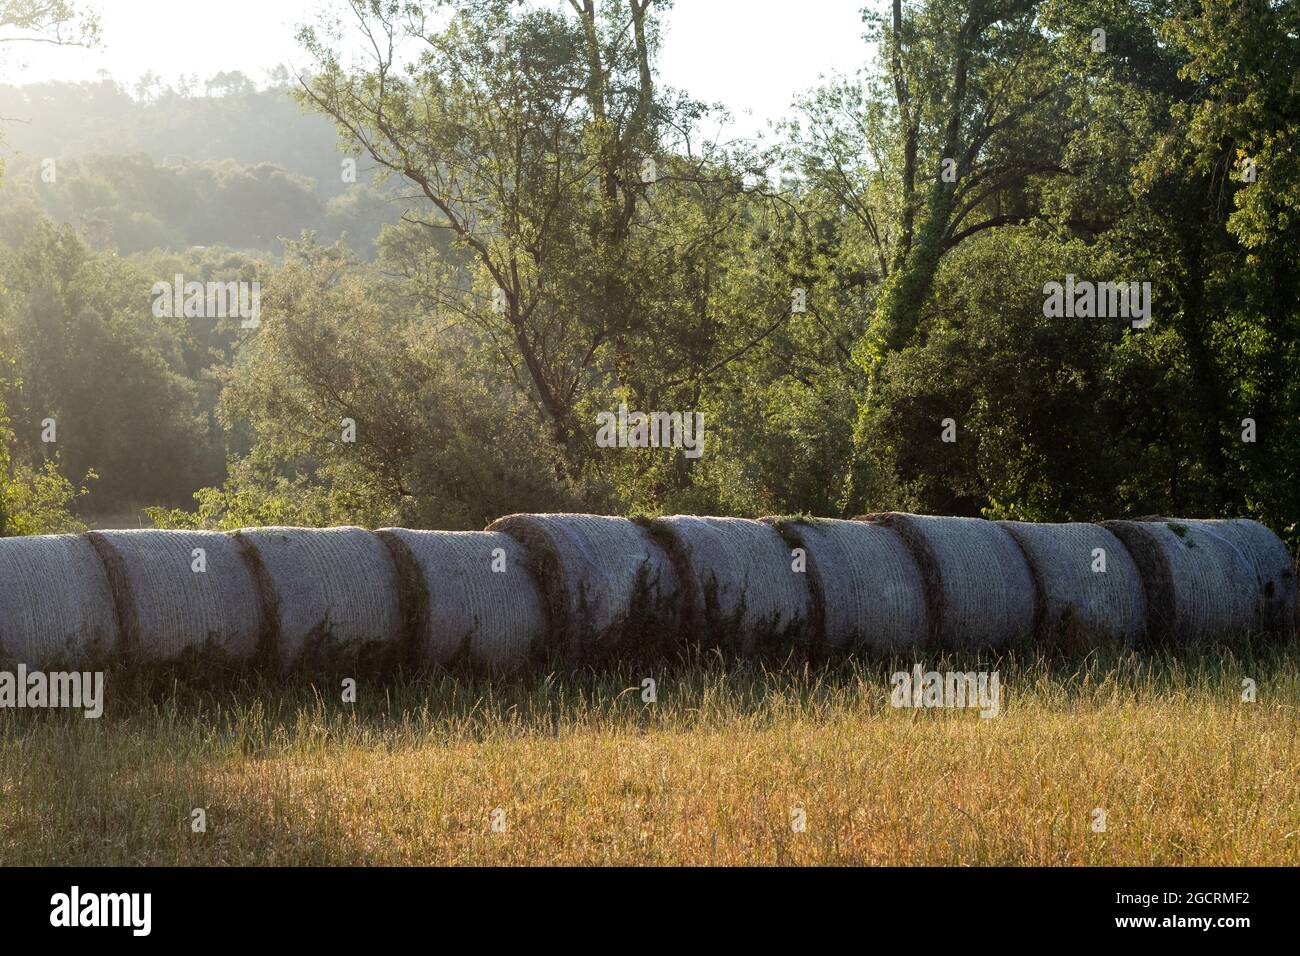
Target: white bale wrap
<point>55,601</point>
<point>331,587</point>
<point>1090,585</point>
<point>979,588</point>
<point>167,605</point>
<point>865,585</point>
<point>467,595</point>
<point>1274,568</point>
<point>609,589</point>
<point>742,591</point>
<point>1199,586</point>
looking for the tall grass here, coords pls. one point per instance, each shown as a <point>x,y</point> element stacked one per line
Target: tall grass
<point>717,770</point>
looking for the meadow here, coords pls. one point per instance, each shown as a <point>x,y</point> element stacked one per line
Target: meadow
<point>733,763</point>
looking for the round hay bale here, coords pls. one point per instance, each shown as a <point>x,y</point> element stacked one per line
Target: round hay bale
<point>1274,567</point>
<point>1199,586</point>
<point>55,601</point>
<point>333,588</point>
<point>744,594</point>
<point>1080,600</point>
<point>608,588</point>
<point>865,585</point>
<point>979,589</point>
<point>166,606</point>
<point>467,595</point>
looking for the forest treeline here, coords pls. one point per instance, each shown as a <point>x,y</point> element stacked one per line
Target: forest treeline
<point>219,162</point>
<point>856,308</point>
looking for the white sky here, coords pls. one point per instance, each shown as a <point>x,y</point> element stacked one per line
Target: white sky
<point>753,56</point>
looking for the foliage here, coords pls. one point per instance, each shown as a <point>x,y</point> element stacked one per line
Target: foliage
<point>34,499</point>
<point>570,240</point>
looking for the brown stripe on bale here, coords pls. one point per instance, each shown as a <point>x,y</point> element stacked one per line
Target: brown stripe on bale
<point>177,610</point>
<point>485,617</point>
<point>1070,641</point>
<point>1199,586</point>
<point>867,581</point>
<point>927,563</point>
<point>268,605</point>
<point>547,569</point>
<point>412,596</point>
<point>689,617</point>
<point>979,589</point>
<point>119,582</point>
<point>791,529</point>
<point>608,588</point>
<point>56,604</point>
<point>1274,568</point>
<point>336,591</point>
<point>1157,579</point>
<point>752,600</point>
<point>1081,606</point>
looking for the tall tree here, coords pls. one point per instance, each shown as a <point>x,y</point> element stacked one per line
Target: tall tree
<point>946,140</point>
<point>58,22</point>
<point>525,135</point>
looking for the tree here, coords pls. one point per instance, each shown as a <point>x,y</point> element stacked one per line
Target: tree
<point>56,22</point>
<point>947,141</point>
<point>525,135</point>
<point>91,357</point>
<point>1226,173</point>
<point>361,414</point>
<point>33,499</point>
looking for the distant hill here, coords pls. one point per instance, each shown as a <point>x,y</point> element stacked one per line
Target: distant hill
<point>167,168</point>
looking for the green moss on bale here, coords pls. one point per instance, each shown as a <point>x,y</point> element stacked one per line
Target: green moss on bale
<point>610,591</point>
<point>748,599</point>
<point>466,611</point>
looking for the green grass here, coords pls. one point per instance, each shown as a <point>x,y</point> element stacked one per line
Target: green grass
<point>585,772</point>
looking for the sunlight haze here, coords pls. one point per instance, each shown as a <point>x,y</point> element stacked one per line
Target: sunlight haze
<point>752,56</point>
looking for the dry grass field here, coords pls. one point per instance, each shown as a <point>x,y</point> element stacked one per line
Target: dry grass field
<point>577,769</point>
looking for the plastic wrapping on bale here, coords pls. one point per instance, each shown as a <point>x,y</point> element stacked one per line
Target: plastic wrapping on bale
<point>1199,585</point>
<point>467,595</point>
<point>979,589</point>
<point>1083,598</point>
<point>865,585</point>
<point>166,606</point>
<point>742,591</point>
<point>55,601</point>
<point>1274,568</point>
<point>609,590</point>
<point>329,588</point>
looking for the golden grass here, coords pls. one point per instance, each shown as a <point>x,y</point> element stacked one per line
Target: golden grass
<point>586,773</point>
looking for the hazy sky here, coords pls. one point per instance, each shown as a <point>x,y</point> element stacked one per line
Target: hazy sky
<point>752,55</point>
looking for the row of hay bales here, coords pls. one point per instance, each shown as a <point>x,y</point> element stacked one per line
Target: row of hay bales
<point>279,595</point>
<point>587,588</point>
